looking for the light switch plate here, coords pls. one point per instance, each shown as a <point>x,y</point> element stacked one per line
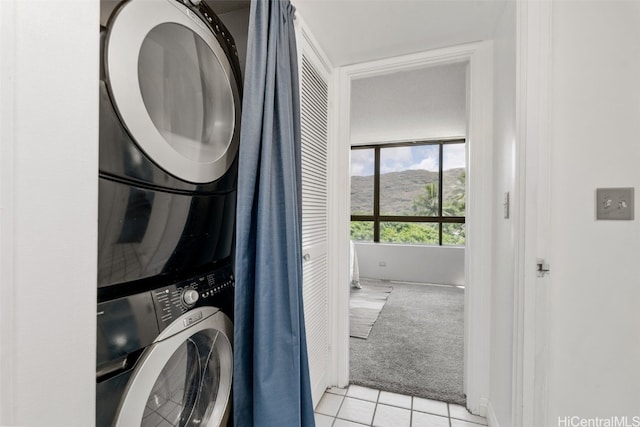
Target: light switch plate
<point>615,203</point>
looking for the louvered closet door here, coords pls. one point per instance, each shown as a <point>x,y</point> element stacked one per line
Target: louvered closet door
<point>314,121</point>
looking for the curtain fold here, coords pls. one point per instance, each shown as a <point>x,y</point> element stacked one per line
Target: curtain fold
<point>271,384</point>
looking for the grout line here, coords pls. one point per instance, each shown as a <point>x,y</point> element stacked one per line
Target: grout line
<point>411,413</point>
<point>337,394</point>
<point>375,408</point>
<point>339,407</point>
<point>388,404</point>
<point>468,421</point>
<point>371,401</point>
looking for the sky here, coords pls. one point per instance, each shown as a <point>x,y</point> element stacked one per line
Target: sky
<point>404,158</point>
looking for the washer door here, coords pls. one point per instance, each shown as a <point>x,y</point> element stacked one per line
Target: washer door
<point>174,88</point>
<point>184,378</point>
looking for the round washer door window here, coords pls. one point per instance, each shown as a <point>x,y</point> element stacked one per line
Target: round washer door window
<point>184,378</point>
<point>174,89</point>
<point>190,385</point>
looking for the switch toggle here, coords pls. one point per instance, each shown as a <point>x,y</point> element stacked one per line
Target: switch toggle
<point>615,203</point>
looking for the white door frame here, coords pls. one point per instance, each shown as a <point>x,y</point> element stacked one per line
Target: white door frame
<point>48,210</point>
<point>532,229</point>
<point>8,36</point>
<point>478,261</point>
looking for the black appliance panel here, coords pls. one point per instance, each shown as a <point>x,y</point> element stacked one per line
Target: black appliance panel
<point>109,393</point>
<point>144,232</point>
<point>213,289</point>
<point>124,326</point>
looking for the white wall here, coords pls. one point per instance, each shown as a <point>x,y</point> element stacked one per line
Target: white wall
<point>423,264</point>
<point>595,280</point>
<point>49,137</point>
<point>425,103</point>
<point>503,229</point>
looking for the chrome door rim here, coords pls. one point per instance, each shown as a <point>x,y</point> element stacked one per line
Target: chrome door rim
<point>155,357</point>
<point>130,26</point>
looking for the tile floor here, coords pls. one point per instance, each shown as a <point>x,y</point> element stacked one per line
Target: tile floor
<point>358,406</point>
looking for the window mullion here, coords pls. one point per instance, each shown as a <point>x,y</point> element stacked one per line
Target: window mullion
<point>440,189</point>
<point>376,195</point>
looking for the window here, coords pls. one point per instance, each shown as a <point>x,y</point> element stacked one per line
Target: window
<point>411,193</point>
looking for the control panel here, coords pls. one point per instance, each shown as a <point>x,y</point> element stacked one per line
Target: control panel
<point>172,301</point>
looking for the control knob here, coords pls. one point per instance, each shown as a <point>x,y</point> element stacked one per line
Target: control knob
<point>190,296</point>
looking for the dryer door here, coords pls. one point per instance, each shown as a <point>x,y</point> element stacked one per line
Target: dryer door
<point>184,379</point>
<point>174,89</point>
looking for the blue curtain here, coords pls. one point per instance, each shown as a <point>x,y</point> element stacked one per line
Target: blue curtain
<point>271,384</point>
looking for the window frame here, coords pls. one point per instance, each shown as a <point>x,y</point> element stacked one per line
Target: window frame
<point>439,219</point>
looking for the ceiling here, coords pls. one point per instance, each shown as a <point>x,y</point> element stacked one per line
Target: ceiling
<point>225,6</point>
<point>354,31</point>
<point>409,105</point>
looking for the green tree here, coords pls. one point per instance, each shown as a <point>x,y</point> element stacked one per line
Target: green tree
<point>426,204</point>
<point>455,203</point>
<point>362,231</point>
<point>405,232</point>
<point>453,234</point>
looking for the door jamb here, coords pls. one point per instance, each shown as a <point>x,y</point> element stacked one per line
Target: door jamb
<point>8,336</point>
<point>532,222</point>
<point>478,262</point>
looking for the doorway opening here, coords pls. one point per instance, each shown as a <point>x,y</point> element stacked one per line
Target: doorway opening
<point>408,197</point>
<point>476,60</point>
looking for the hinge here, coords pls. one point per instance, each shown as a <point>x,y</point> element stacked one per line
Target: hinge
<point>542,267</point>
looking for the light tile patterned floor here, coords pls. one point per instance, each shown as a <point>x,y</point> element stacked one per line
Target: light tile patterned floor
<point>358,406</point>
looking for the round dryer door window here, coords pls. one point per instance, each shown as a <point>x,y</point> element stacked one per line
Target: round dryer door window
<point>174,89</point>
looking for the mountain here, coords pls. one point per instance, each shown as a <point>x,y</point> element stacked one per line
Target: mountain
<point>398,190</point>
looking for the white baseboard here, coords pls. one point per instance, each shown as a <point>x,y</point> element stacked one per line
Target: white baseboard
<point>492,420</point>
<point>480,408</point>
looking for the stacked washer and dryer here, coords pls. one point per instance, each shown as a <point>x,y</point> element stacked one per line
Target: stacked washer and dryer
<point>170,98</point>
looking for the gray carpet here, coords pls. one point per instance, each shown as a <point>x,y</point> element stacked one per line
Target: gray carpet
<point>416,345</point>
<point>364,308</point>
